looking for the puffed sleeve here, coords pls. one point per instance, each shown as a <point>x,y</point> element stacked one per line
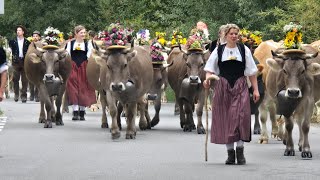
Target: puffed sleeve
<point>212,63</point>
<point>90,47</point>
<point>68,47</point>
<point>251,67</point>
<point>4,67</point>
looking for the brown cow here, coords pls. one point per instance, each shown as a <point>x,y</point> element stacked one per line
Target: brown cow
<point>293,83</point>
<point>126,76</point>
<point>48,69</point>
<point>185,77</point>
<point>93,75</point>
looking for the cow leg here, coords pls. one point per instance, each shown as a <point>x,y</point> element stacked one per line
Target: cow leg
<point>263,118</point>
<point>115,131</point>
<point>131,112</point>
<point>53,110</point>
<point>119,111</point>
<point>104,120</point>
<point>176,108</point>
<point>199,111</point>
<point>42,116</point>
<point>182,113</point>
<point>65,108</point>
<point>305,127</point>
<point>289,147</point>
<point>157,107</point>
<point>274,124</point>
<point>256,127</point>
<point>58,115</point>
<point>147,115</point>
<point>143,124</point>
<point>188,126</point>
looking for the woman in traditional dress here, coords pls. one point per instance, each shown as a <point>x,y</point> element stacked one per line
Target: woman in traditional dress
<point>231,119</point>
<point>80,93</point>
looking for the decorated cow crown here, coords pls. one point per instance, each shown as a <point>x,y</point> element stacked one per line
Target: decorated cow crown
<point>293,36</point>
<point>116,35</point>
<point>52,36</point>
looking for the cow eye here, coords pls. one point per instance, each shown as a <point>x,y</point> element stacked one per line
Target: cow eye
<point>108,67</point>
<point>188,64</point>
<point>302,72</point>
<point>284,71</point>
<point>125,65</point>
<point>201,65</point>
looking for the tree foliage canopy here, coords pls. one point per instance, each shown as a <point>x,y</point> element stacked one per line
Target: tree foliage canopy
<point>269,17</point>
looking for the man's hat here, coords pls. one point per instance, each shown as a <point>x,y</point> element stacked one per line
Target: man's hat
<point>36,32</point>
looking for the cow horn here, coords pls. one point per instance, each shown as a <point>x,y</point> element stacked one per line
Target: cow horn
<point>101,50</point>
<point>310,56</point>
<point>40,49</point>
<point>60,50</point>
<point>277,55</point>
<point>184,51</point>
<point>168,65</point>
<point>205,51</point>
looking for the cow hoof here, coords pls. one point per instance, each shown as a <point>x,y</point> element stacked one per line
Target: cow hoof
<point>187,128</point>
<point>201,130</point>
<point>289,152</point>
<point>154,122</point>
<point>149,125</point>
<point>115,135</point>
<point>131,136</point>
<point>263,141</point>
<point>284,142</point>
<point>104,125</point>
<point>48,124</point>
<point>300,148</point>
<point>143,126</point>
<point>181,124</point>
<point>257,131</point>
<point>42,120</point>
<point>59,123</point>
<point>306,155</point>
<point>193,127</point>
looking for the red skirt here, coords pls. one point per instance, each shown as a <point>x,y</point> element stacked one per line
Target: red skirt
<point>231,117</point>
<point>78,89</point>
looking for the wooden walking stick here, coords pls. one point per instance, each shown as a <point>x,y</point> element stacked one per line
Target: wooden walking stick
<point>206,94</point>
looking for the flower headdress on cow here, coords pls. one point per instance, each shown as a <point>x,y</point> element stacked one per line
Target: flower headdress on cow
<point>177,38</point>
<point>196,39</point>
<point>251,39</point>
<point>293,39</point>
<point>143,37</point>
<point>160,36</point>
<point>156,52</point>
<point>52,36</point>
<point>116,35</point>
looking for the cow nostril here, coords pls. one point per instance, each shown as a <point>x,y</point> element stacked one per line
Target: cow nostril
<point>293,92</point>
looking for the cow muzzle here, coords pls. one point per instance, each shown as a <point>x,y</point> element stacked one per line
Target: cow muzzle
<point>117,87</point>
<point>194,80</point>
<point>293,93</point>
<point>49,77</point>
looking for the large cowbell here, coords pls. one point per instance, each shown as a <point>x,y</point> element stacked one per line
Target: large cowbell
<point>285,105</point>
<point>52,84</point>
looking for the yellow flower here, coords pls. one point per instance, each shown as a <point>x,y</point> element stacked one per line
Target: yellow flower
<point>162,41</point>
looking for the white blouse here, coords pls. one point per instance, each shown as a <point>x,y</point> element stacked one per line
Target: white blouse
<point>231,54</point>
<point>82,47</point>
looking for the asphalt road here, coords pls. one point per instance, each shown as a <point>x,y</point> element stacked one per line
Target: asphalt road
<point>82,150</point>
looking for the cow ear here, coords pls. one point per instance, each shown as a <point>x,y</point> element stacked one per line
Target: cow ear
<point>100,61</point>
<point>260,67</point>
<point>275,65</point>
<point>131,55</point>
<point>34,58</point>
<point>314,68</point>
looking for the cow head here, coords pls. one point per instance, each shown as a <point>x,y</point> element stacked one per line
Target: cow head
<point>295,68</point>
<point>116,61</point>
<point>195,61</point>
<point>49,60</point>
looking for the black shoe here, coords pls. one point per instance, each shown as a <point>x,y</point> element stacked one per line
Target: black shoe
<point>231,157</point>
<point>241,160</point>
<point>82,115</point>
<point>75,115</point>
